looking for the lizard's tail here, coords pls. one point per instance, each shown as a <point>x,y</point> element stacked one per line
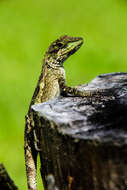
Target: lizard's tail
<point>31,169</point>
<point>30,157</point>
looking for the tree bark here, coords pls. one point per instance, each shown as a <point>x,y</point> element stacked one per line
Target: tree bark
<point>6,182</point>
<point>84,140</point>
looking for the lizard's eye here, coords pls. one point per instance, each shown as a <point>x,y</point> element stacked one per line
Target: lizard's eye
<point>55,47</point>
<point>59,44</point>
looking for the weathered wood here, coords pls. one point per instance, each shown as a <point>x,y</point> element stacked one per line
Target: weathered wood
<point>84,140</point>
<point>6,182</point>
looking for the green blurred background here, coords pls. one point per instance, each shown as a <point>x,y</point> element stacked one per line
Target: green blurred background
<point>26,30</point>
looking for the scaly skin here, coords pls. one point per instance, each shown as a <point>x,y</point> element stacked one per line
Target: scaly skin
<point>51,83</point>
<point>47,88</point>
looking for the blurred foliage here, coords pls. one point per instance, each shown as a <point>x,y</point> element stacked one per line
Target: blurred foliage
<point>26,30</point>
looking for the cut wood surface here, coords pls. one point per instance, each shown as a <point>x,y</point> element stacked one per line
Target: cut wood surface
<point>84,140</point>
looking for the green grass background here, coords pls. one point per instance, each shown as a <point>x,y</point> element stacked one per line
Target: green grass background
<point>26,30</point>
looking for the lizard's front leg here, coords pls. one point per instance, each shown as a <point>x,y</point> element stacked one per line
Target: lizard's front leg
<point>65,90</point>
<point>30,155</point>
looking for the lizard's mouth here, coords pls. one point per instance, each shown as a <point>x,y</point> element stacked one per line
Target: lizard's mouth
<point>74,46</point>
<point>71,48</point>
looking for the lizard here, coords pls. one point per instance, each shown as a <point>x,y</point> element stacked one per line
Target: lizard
<point>51,84</point>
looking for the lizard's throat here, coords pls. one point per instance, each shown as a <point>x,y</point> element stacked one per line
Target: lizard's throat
<point>55,64</point>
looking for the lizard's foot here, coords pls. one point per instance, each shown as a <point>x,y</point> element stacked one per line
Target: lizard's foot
<point>36,141</point>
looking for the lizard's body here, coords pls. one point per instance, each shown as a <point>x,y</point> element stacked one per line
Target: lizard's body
<point>50,84</point>
<point>48,87</point>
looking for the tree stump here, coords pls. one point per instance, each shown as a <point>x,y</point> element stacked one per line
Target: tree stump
<point>6,183</point>
<point>84,140</point>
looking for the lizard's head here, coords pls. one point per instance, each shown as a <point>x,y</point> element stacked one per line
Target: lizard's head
<point>62,48</point>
